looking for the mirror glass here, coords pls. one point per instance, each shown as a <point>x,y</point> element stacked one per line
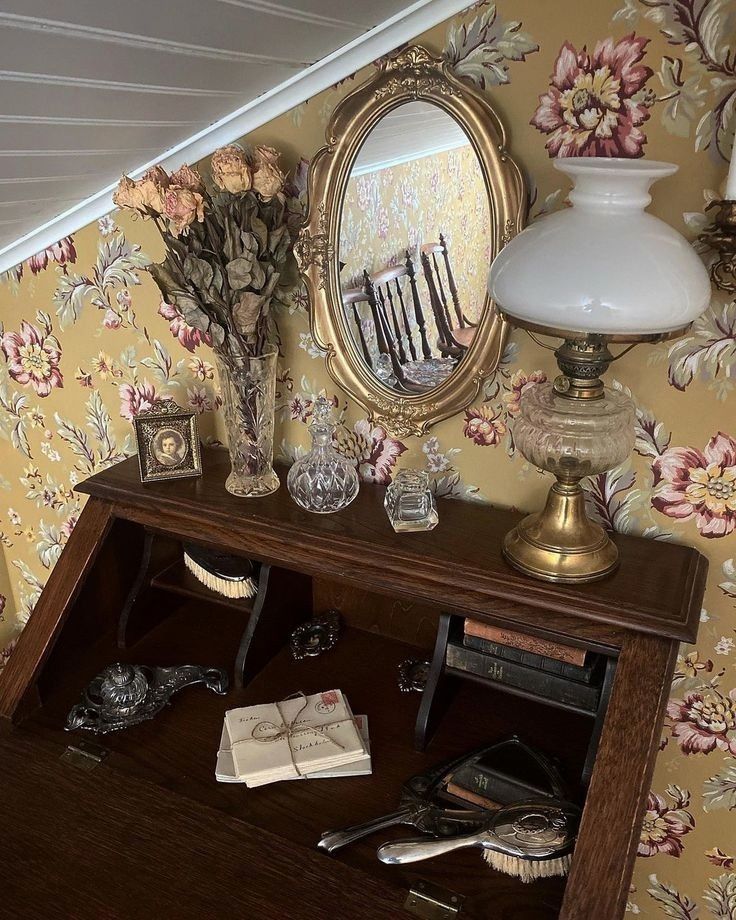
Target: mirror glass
<point>415,246</point>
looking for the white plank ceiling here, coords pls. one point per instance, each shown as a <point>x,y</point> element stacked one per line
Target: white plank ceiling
<point>95,88</point>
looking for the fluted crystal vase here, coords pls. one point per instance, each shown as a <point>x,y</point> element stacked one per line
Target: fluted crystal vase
<point>249,394</point>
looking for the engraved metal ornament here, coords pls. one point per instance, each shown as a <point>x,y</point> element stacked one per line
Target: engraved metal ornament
<point>413,675</point>
<point>413,73</point>
<point>316,636</point>
<point>123,695</point>
<point>721,237</point>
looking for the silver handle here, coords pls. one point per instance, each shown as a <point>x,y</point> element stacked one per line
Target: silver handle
<point>409,851</point>
<point>333,840</point>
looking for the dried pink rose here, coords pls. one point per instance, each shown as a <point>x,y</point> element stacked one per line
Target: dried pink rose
<point>268,179</point>
<point>129,196</point>
<point>230,169</point>
<point>182,207</point>
<point>186,177</point>
<point>152,186</point>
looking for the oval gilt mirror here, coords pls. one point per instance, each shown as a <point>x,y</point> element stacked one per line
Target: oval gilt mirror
<point>409,202</point>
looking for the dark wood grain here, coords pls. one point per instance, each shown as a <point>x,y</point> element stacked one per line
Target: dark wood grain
<point>104,846</point>
<point>177,750</point>
<point>657,588</point>
<point>54,605</point>
<point>609,831</point>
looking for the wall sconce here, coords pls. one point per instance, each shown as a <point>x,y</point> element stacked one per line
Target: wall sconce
<point>603,271</point>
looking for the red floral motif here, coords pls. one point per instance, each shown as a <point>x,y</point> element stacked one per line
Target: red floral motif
<point>374,452</point>
<point>63,253</point>
<point>137,399</point>
<point>702,722</point>
<point>519,383</point>
<point>483,427</point>
<point>187,335</point>
<point>33,357</point>
<point>595,103</point>
<point>690,483</point>
<point>664,827</point>
<point>7,652</point>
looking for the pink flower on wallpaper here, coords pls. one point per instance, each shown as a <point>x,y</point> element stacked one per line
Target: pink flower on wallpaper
<point>111,320</point>
<point>33,357</point>
<point>69,524</point>
<point>702,722</point>
<point>596,103</point>
<point>135,399</point>
<point>7,652</point>
<point>664,827</point>
<point>187,335</point>
<point>483,426</point>
<point>300,409</point>
<point>690,483</point>
<point>63,253</point>
<point>382,223</point>
<point>520,383</point>
<point>374,452</point>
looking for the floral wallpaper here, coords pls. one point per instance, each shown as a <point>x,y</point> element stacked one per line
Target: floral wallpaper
<point>402,207</point>
<point>86,344</point>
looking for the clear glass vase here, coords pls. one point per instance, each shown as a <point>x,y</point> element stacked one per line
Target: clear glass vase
<point>249,394</point>
<point>323,480</point>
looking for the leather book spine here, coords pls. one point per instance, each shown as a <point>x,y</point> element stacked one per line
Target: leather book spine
<point>510,637</point>
<point>540,683</point>
<point>531,659</point>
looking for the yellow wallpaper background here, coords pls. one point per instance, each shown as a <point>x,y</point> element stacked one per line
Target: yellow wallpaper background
<point>85,347</point>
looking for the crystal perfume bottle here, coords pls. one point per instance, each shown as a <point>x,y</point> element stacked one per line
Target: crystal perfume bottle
<point>323,481</point>
<point>409,503</point>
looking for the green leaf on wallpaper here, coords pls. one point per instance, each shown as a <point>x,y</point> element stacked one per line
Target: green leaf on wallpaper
<point>98,420</point>
<point>675,905</point>
<point>682,97</point>
<point>50,545</point>
<point>28,576</point>
<point>720,896</point>
<point>477,50</point>
<point>77,441</point>
<point>160,362</point>
<point>69,298</point>
<point>720,791</point>
<point>118,263</point>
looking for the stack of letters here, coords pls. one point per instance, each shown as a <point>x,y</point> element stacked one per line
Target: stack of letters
<point>302,737</point>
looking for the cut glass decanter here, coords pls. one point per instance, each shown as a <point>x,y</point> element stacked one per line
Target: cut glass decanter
<point>323,481</point>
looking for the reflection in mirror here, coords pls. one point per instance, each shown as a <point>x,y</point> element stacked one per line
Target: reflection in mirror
<point>415,238</point>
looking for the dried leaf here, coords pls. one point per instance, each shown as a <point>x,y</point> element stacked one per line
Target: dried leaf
<point>240,272</point>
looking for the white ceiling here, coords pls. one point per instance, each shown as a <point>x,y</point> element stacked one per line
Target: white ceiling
<point>410,131</point>
<point>95,88</point>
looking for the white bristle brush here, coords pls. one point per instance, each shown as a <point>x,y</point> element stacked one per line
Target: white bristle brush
<point>529,841</point>
<point>231,576</point>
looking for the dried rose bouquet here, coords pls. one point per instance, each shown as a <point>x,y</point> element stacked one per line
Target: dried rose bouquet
<point>226,250</point>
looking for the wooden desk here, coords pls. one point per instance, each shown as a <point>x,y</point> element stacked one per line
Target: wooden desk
<point>391,589</point>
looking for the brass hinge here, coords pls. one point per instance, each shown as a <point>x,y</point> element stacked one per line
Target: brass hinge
<point>84,755</point>
<point>432,902</point>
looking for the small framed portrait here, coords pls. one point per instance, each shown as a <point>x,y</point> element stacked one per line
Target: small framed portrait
<point>168,443</point>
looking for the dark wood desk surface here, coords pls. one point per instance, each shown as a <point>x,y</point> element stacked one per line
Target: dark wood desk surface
<point>657,588</point>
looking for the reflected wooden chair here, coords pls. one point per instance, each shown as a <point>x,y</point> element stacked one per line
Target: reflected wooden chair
<point>351,300</point>
<point>456,333</point>
<point>414,366</point>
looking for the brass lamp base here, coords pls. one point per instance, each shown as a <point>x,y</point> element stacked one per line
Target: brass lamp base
<point>560,543</point>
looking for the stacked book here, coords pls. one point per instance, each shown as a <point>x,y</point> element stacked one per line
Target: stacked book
<point>303,737</point>
<point>554,671</point>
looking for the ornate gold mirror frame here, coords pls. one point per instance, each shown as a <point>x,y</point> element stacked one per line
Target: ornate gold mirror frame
<point>411,74</point>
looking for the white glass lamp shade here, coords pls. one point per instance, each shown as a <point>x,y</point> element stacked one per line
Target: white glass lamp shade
<point>604,265</point>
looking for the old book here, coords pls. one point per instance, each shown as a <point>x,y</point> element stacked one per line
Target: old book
<point>510,637</point>
<point>540,683</point>
<point>584,673</point>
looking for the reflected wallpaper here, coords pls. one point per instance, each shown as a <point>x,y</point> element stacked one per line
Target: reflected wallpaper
<point>86,345</point>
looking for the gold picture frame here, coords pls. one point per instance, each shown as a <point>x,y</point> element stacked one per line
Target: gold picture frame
<point>411,74</point>
<point>167,438</point>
